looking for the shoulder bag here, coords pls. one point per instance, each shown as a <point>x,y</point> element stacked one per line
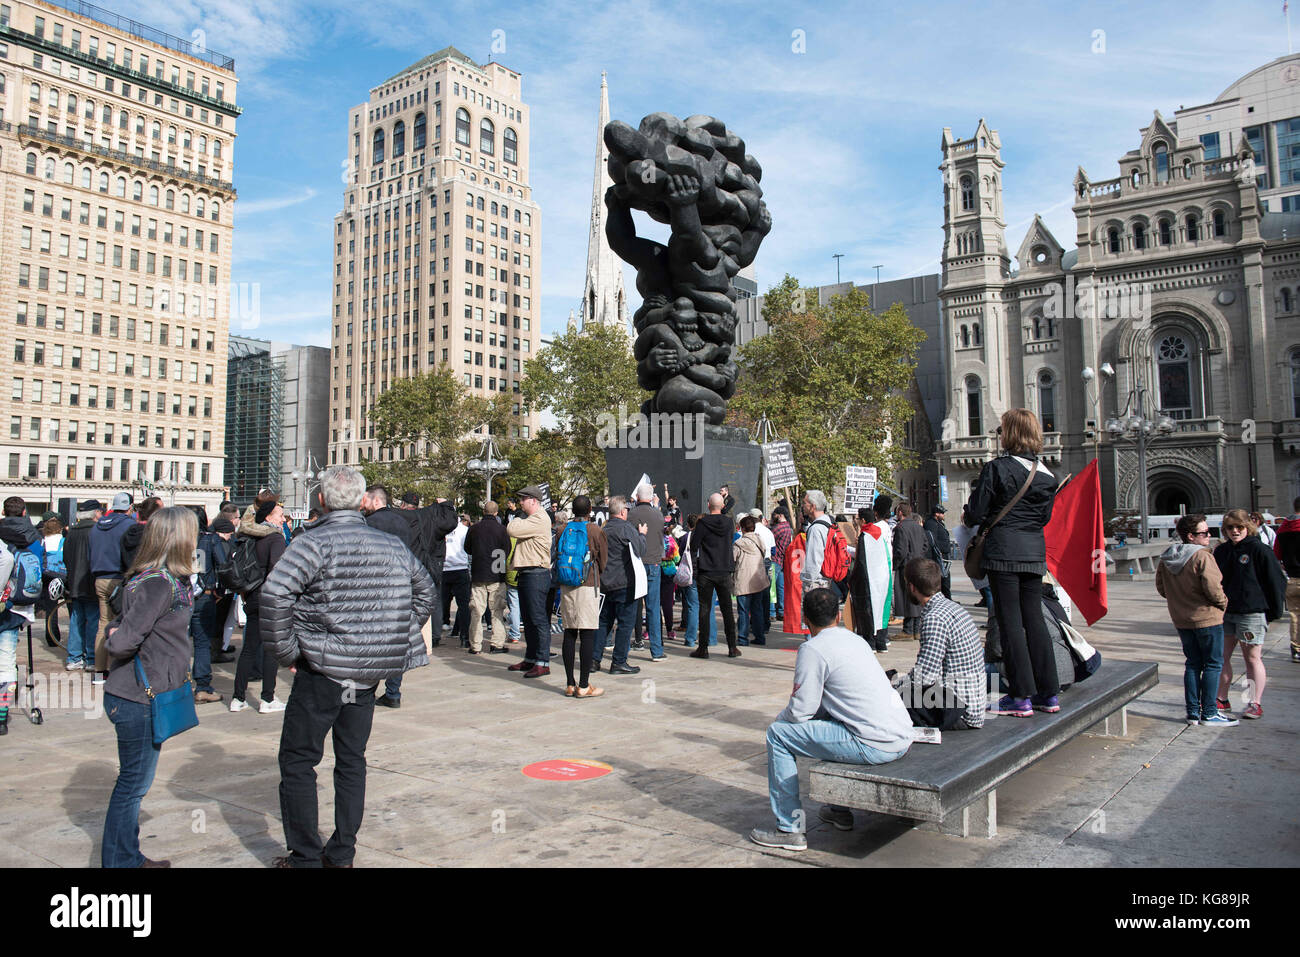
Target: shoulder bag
<point>974,560</point>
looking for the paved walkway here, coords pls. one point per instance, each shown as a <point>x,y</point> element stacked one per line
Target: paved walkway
<point>685,739</point>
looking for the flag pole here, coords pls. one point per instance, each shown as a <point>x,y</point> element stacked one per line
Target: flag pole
<point>1286,10</point>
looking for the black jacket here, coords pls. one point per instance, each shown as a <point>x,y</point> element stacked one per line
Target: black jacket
<point>1019,536</point>
<point>76,555</point>
<point>269,548</point>
<point>711,542</point>
<point>216,552</point>
<point>394,522</point>
<point>130,544</point>
<point>1286,548</point>
<point>939,535</point>
<point>488,547</point>
<point>618,573</point>
<point>346,603</point>
<point>432,524</point>
<point>1252,578</point>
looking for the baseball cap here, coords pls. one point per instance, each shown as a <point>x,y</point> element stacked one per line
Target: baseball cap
<point>756,513</point>
<point>121,501</point>
<point>90,505</point>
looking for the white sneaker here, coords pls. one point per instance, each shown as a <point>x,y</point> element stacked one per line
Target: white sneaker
<point>75,666</point>
<point>98,679</point>
<point>270,707</point>
<point>237,706</point>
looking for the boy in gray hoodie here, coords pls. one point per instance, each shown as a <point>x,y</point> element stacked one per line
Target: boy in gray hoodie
<point>1190,581</point>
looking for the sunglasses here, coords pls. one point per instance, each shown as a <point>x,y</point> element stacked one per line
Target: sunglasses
<point>1234,528</point>
<point>1204,534</point>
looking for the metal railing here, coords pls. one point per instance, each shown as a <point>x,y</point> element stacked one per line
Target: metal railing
<point>35,132</point>
<point>145,32</point>
<point>58,49</point>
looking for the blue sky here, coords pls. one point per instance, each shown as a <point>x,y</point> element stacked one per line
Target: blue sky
<point>847,130</point>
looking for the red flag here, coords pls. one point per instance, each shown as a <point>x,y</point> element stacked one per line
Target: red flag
<point>1076,543</point>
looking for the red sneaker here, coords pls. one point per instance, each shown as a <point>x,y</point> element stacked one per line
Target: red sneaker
<point>1253,710</point>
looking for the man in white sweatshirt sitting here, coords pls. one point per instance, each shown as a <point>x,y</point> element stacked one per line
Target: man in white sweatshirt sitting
<point>842,709</point>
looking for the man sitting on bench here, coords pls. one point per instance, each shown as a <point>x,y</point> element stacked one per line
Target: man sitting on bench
<point>842,709</point>
<point>950,665</point>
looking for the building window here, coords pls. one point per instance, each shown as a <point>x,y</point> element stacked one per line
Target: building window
<point>967,194</point>
<point>1193,228</point>
<point>399,139</point>
<point>1161,153</point>
<point>974,407</point>
<point>1139,236</point>
<point>1047,401</point>
<point>462,127</point>
<point>1166,232</point>
<point>1174,375</point>
<point>417,137</point>
<point>379,147</point>
<point>1112,239</point>
<point>1220,223</point>
<point>510,146</point>
<point>1211,143</point>
<point>487,137</point>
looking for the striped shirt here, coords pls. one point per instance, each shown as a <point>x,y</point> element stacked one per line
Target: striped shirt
<point>952,655</point>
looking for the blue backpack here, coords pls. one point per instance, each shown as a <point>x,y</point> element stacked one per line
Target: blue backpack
<point>26,583</point>
<point>54,564</point>
<point>573,559</point>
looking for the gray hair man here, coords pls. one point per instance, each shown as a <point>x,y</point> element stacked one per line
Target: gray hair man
<point>649,514</point>
<point>814,509</point>
<point>345,608</point>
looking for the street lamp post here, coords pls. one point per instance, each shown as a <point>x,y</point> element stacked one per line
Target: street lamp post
<point>489,463</point>
<point>1134,426</point>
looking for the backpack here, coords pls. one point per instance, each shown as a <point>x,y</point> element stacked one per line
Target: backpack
<point>684,577</point>
<point>54,563</point>
<point>573,555</point>
<point>26,583</point>
<point>241,572</point>
<point>835,561</point>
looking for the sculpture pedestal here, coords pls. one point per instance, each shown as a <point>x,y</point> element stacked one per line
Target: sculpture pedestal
<point>693,461</point>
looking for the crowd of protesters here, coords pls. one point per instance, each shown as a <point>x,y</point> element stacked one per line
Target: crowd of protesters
<point>363,590</point>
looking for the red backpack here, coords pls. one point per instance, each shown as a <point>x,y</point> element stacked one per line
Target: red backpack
<point>835,561</point>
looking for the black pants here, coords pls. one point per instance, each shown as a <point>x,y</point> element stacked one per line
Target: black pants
<point>1026,646</point>
<point>251,655</point>
<point>317,706</point>
<point>708,583</point>
<point>946,586</point>
<point>222,613</point>
<point>583,638</point>
<point>456,584</point>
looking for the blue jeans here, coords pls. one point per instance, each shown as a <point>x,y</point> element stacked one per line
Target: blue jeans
<point>653,617</point>
<point>618,611</point>
<point>826,740</point>
<point>512,612</point>
<point>203,625</point>
<point>137,759</point>
<point>780,592</point>
<point>1204,650</point>
<point>742,619</point>
<point>83,626</point>
<point>691,596</point>
<point>757,604</point>
<point>534,583</point>
<point>9,655</point>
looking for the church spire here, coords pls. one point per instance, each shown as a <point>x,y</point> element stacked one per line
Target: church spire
<point>603,299</point>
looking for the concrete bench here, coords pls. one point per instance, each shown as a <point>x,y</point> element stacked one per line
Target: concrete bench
<point>953,785</point>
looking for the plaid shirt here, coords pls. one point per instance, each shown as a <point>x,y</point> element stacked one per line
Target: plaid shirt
<point>783,533</point>
<point>952,655</point>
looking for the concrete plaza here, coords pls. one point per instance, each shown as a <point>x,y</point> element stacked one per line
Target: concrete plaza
<point>685,740</point>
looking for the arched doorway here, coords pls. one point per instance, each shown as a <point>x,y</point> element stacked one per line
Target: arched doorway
<point>1172,491</point>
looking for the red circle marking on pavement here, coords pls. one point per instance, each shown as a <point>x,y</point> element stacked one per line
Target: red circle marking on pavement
<point>567,769</point>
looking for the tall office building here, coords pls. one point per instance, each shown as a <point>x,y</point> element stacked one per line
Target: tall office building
<point>116,155</point>
<point>437,248</point>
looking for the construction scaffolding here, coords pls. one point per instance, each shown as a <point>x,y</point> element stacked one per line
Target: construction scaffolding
<point>254,418</point>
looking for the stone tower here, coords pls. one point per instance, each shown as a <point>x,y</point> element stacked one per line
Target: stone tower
<point>976,267</point>
<point>603,298</point>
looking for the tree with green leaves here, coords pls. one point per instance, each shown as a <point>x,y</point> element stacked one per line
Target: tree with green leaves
<point>432,417</point>
<point>831,380</point>
<point>582,378</point>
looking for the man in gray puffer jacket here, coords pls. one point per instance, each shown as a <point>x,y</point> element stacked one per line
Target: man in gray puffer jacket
<point>345,606</point>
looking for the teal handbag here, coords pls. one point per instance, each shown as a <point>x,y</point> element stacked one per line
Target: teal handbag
<point>173,711</point>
